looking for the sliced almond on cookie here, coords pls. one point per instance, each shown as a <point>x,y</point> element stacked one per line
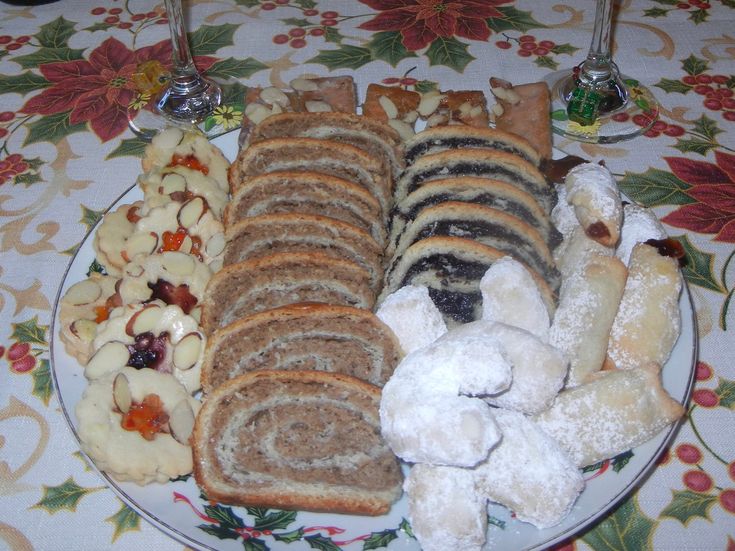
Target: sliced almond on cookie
<point>121,394</point>
<point>171,183</point>
<point>141,243</point>
<point>111,357</point>
<point>179,263</point>
<point>216,244</point>
<point>187,351</point>
<point>144,320</point>
<point>83,329</point>
<point>181,422</point>
<point>191,212</point>
<point>84,292</point>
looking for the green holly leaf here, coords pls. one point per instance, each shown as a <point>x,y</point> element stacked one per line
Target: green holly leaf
<point>254,544</point>
<point>655,187</point>
<point>66,496</point>
<point>687,505</point>
<point>655,12</point>
<point>248,3</point>
<point>90,217</point>
<point>233,94</point>
<point>55,34</point>
<point>99,26</point>
<point>41,376</point>
<point>670,85</point>
<point>331,34</point>
<point>423,86</point>
<point>694,65</point>
<point>376,540</point>
<point>546,62</point>
<point>207,39</point>
<point>699,267</point>
<point>224,515</point>
<point>306,4</point>
<point>96,267</point>
<point>450,52</point>
<point>346,57</point>
<point>513,20</point>
<point>694,145</point>
<point>594,467</point>
<point>706,127</point>
<point>289,537</point>
<point>221,532</point>
<point>726,391</point>
<point>275,520</point>
<point>388,47</point>
<point>565,48</point>
<point>667,2</point>
<point>52,129</point>
<point>495,521</point>
<point>129,147</point>
<point>35,163</point>
<point>627,528</point>
<point>405,526</point>
<point>27,179</point>
<point>235,68</point>
<point>48,55</point>
<point>698,16</point>
<point>30,331</point>
<point>295,22</point>
<point>22,83</point>
<point>559,115</point>
<point>621,460</point>
<point>322,543</point>
<point>125,520</point>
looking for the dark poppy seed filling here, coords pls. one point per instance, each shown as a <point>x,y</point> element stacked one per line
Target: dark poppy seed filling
<point>458,143</point>
<point>461,307</point>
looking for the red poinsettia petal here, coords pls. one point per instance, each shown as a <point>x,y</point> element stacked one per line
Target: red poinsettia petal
<point>727,233</point>
<point>720,197</point>
<point>474,29</point>
<point>697,172</point>
<point>111,54</point>
<point>204,62</point>
<point>60,72</point>
<point>161,51</point>
<point>111,123</point>
<point>697,217</point>
<point>61,97</point>
<point>442,23</point>
<point>726,162</point>
<point>479,10</point>
<point>382,5</point>
<point>417,36</point>
<point>89,106</point>
<point>393,20</point>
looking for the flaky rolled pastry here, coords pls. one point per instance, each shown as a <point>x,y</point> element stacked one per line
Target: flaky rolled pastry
<point>639,225</point>
<point>588,301</point>
<point>529,473</point>
<point>575,250</point>
<point>648,321</point>
<point>593,192</point>
<point>614,412</point>
<point>445,509</point>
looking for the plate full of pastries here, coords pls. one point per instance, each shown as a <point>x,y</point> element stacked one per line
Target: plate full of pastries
<point>409,328</point>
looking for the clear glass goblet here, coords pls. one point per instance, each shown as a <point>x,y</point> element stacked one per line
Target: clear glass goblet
<point>593,102</point>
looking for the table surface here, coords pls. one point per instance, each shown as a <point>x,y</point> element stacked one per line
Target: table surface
<point>66,154</point>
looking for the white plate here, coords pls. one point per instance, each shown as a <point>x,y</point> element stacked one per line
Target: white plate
<point>177,508</point>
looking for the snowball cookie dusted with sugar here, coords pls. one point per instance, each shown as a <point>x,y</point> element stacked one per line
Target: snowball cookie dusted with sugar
<point>412,316</point>
<point>510,295</point>
<point>639,225</point>
<point>594,194</point>
<point>562,215</point>
<point>427,413</point>
<point>538,369</point>
<point>445,509</point>
<point>529,473</point>
<point>83,306</point>
<point>159,450</point>
<point>153,336</point>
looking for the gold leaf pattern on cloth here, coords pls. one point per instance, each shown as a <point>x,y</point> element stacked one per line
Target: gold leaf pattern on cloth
<point>725,42</point>
<point>14,538</point>
<point>9,477</point>
<point>30,297</point>
<point>667,43</point>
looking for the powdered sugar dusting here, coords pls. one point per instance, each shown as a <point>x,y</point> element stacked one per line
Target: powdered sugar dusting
<point>413,317</point>
<point>639,225</point>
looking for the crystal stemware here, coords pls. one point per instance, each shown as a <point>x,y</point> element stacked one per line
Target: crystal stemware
<point>593,102</point>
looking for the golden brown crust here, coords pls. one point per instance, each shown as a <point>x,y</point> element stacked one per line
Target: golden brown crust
<point>404,100</point>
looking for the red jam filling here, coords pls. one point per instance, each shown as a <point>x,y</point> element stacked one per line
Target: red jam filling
<point>147,417</point>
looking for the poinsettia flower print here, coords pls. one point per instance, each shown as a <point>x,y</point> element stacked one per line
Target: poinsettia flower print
<point>713,187</point>
<point>99,89</point>
<point>420,22</point>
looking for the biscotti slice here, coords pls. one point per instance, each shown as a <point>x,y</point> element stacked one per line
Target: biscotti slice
<point>375,137</point>
<point>241,289</point>
<point>259,236</point>
<point>485,225</point>
<point>467,108</point>
<point>452,267</point>
<point>524,110</point>
<point>322,337</point>
<point>485,163</point>
<point>307,193</point>
<point>304,440</point>
<point>324,156</point>
<point>441,138</point>
<point>481,191</point>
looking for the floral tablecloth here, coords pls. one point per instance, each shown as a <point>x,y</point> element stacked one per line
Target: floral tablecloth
<point>66,154</point>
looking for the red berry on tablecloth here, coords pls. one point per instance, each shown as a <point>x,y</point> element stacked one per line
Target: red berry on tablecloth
<point>408,81</point>
<point>6,116</point>
<point>548,44</point>
<point>704,78</point>
<point>530,46</point>
<point>729,116</point>
<point>704,371</point>
<point>298,32</point>
<point>524,53</point>
<point>330,15</point>
<point>13,46</point>
<point>688,453</point>
<point>268,6</point>
<point>703,89</point>
<point>641,119</point>
<point>691,80</point>
<point>391,80</point>
<point>151,14</point>
<point>112,19</point>
<point>3,132</point>
<point>162,21</point>
<point>503,44</point>
<point>719,79</point>
<point>527,38</point>
<point>683,6</point>
<point>674,130</point>
<point>115,11</point>
<point>727,500</point>
<point>651,133</point>
<point>317,31</point>
<point>99,10</point>
<point>282,2</point>
<point>705,398</point>
<point>620,117</point>
<point>311,13</point>
<point>17,350</point>
<point>541,51</point>
<point>25,364</point>
<point>329,22</point>
<point>660,126</point>
<point>728,103</point>
<point>713,104</point>
<point>124,25</point>
<point>280,39</point>
<point>698,481</point>
<point>138,17</point>
<point>297,43</point>
<point>664,458</point>
<point>731,470</point>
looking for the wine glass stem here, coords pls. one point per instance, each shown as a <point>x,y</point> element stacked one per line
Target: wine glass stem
<point>183,62</point>
<point>597,66</point>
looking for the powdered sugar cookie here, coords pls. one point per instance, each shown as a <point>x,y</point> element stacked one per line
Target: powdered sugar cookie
<point>639,225</point>
<point>84,305</point>
<point>510,295</point>
<point>155,404</point>
<point>112,235</point>
<point>153,336</point>
<point>412,316</point>
<point>529,473</point>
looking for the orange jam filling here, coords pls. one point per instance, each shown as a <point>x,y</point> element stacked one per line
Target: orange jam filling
<point>172,240</point>
<point>189,161</point>
<point>148,417</point>
<point>101,313</point>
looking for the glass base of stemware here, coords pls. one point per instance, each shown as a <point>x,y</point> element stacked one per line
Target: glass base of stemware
<point>628,112</point>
